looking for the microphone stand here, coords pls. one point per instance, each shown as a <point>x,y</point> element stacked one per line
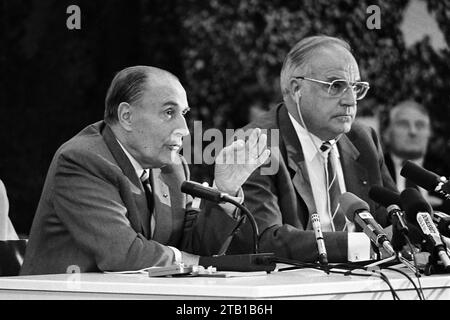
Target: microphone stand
<point>240,262</point>
<point>249,215</point>
<point>433,266</point>
<point>397,257</point>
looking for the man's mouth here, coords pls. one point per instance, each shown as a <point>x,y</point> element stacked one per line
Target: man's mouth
<point>174,146</point>
<point>344,116</point>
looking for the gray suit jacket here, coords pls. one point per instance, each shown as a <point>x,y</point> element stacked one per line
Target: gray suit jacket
<point>282,202</point>
<point>93,213</point>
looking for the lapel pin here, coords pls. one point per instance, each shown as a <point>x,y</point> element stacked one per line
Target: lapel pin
<point>165,195</point>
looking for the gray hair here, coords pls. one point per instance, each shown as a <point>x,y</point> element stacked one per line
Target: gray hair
<point>407,104</point>
<point>302,52</point>
<point>127,86</point>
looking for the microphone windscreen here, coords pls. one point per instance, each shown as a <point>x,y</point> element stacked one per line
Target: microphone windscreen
<point>412,202</point>
<point>384,196</point>
<point>350,204</point>
<point>420,176</point>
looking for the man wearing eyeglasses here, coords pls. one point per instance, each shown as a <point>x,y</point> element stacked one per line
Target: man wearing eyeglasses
<point>322,154</point>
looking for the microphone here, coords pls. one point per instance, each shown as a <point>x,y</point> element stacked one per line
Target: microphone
<point>198,190</point>
<point>315,221</point>
<point>357,211</point>
<point>418,211</point>
<point>426,179</point>
<point>391,201</point>
<point>243,262</point>
<point>442,222</point>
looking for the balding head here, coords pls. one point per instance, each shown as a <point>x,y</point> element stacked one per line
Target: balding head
<point>301,54</point>
<point>129,86</point>
<point>405,106</point>
<point>408,130</point>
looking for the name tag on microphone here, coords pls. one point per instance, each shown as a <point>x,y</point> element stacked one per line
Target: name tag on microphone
<point>365,215</point>
<point>358,247</point>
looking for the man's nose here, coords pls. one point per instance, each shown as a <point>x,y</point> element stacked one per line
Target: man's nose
<point>412,129</point>
<point>181,128</point>
<point>348,99</point>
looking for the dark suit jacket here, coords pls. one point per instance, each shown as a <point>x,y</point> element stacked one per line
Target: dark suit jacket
<point>93,213</point>
<point>445,206</point>
<point>282,202</point>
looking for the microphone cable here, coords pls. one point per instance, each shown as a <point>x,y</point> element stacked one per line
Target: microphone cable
<point>417,273</point>
<point>328,270</point>
<point>418,291</point>
<point>350,268</point>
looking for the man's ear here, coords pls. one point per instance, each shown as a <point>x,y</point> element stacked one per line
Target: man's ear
<point>295,89</point>
<point>124,115</point>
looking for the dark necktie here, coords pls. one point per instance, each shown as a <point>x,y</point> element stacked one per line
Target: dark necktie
<point>334,190</point>
<point>145,179</point>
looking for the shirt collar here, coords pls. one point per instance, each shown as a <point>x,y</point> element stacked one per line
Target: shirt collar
<point>399,162</point>
<point>310,142</point>
<point>137,167</point>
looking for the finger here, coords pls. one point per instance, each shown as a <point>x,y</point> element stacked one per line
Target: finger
<point>262,142</point>
<point>253,138</point>
<point>263,158</point>
<point>220,159</point>
<point>238,144</point>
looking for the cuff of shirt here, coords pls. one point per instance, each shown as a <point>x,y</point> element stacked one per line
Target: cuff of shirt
<point>229,208</point>
<point>177,255</point>
<point>358,247</point>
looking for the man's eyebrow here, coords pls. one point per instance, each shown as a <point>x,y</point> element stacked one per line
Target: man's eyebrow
<point>170,103</point>
<point>332,78</point>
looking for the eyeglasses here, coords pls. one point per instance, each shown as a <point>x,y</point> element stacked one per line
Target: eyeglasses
<point>337,88</point>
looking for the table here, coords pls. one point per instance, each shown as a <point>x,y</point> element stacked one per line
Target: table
<point>296,284</point>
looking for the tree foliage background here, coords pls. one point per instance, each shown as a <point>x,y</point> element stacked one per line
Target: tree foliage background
<point>228,54</point>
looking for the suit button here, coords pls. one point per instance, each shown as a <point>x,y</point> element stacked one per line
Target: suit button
<point>364,182</point>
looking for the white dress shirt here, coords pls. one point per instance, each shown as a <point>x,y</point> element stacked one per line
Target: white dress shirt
<point>358,242</point>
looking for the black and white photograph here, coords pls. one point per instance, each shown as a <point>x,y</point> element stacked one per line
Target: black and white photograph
<point>221,156</point>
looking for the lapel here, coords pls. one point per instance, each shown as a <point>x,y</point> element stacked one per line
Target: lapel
<point>162,212</point>
<point>170,203</point>
<point>296,159</point>
<point>124,163</point>
<point>355,174</point>
<point>390,166</point>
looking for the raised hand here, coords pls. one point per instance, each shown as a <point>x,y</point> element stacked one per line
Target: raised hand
<point>236,162</point>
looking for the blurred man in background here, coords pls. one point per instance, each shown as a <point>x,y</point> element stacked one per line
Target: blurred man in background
<point>406,137</point>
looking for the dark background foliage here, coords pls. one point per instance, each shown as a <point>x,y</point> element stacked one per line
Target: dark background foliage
<point>227,54</point>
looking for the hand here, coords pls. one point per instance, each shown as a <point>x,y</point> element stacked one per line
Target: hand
<point>236,162</point>
<point>189,259</point>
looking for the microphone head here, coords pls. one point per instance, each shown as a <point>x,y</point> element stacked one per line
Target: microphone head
<point>350,204</point>
<point>384,196</point>
<point>420,176</point>
<point>412,202</point>
<point>196,189</point>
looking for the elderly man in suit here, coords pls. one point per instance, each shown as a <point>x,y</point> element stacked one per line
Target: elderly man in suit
<point>112,199</point>
<point>322,154</point>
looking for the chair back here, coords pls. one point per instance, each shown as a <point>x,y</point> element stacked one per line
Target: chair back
<point>12,253</point>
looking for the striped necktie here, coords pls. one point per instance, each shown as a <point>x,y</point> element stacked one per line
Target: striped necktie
<point>333,188</point>
<point>145,179</point>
